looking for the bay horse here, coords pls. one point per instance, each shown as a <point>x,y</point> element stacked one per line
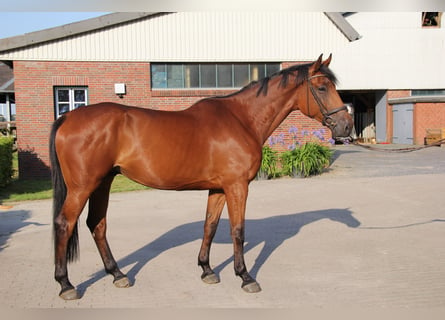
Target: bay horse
<point>213,145</point>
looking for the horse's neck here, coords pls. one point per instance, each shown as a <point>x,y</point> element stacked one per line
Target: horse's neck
<point>264,113</point>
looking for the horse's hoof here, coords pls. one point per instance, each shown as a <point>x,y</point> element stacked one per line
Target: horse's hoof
<point>252,287</point>
<point>70,294</point>
<point>122,282</point>
<point>211,278</point>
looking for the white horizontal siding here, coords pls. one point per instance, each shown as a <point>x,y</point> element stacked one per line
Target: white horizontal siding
<point>393,53</point>
<point>191,36</point>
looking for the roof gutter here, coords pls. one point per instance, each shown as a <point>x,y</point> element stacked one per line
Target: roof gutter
<point>343,25</point>
<point>70,29</point>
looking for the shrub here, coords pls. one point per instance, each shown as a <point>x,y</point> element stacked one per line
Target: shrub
<point>306,160</point>
<point>6,171</point>
<point>269,162</point>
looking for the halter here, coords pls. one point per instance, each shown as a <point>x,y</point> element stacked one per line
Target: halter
<point>327,119</point>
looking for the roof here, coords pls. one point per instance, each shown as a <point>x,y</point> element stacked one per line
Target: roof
<point>113,19</point>
<point>6,78</point>
<point>71,29</point>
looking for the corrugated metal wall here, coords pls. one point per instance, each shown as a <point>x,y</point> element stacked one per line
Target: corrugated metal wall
<point>191,36</point>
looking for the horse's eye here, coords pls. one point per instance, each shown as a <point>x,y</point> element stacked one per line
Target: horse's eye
<point>322,89</point>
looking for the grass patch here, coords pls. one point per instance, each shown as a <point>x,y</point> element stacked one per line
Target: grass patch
<point>24,190</point>
<point>123,184</point>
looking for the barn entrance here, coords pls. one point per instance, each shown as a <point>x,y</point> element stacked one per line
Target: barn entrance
<point>364,103</point>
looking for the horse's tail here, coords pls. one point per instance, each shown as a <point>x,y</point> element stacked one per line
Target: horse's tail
<point>60,192</point>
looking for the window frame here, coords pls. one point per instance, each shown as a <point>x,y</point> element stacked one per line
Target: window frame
<point>428,93</point>
<point>72,102</point>
<point>8,108</point>
<point>160,79</point>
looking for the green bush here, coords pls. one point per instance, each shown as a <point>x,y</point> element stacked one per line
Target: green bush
<point>6,171</point>
<point>269,163</point>
<point>306,160</point>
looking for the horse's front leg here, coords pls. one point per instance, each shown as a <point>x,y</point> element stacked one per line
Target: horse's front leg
<point>236,196</point>
<point>215,205</point>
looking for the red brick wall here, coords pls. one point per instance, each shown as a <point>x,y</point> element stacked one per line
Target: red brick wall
<point>427,116</point>
<point>35,82</point>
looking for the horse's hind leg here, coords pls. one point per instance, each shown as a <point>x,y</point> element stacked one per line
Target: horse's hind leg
<point>97,224</point>
<point>66,241</point>
<point>215,206</point>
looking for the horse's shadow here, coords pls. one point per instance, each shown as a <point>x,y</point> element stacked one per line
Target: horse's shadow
<point>13,221</point>
<point>271,232</point>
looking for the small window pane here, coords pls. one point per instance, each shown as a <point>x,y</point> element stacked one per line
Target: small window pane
<point>241,75</point>
<point>224,75</point>
<point>272,68</point>
<point>174,76</point>
<point>79,95</point>
<point>63,95</point>
<point>208,76</point>
<point>64,108</point>
<point>257,72</point>
<point>158,76</point>
<point>191,76</point>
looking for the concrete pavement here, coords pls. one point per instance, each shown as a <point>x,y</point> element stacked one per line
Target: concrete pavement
<point>367,233</point>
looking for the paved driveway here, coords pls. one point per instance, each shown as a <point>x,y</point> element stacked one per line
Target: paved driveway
<point>368,233</point>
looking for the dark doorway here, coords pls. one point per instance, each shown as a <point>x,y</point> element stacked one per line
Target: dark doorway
<point>364,103</point>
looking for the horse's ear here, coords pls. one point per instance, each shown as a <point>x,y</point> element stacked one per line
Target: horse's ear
<point>317,64</point>
<point>327,61</point>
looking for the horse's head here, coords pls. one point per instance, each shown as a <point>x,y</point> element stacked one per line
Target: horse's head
<point>323,101</point>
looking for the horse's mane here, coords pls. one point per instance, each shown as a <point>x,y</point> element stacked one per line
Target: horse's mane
<point>302,71</point>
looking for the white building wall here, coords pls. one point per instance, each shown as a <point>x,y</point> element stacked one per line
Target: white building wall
<point>192,36</point>
<point>395,52</point>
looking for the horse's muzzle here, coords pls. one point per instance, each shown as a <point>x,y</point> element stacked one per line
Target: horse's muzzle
<point>341,126</point>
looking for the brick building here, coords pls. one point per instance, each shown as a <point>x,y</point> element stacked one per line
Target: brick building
<point>170,60</point>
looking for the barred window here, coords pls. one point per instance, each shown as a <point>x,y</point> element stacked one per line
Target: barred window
<point>208,75</point>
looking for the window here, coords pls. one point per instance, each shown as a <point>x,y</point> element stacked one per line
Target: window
<point>7,107</point>
<point>437,92</point>
<point>431,19</point>
<point>69,98</point>
<point>208,75</point>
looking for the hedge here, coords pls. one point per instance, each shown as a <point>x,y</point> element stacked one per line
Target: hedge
<point>6,170</point>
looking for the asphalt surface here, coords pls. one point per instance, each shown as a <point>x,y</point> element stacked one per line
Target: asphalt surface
<point>369,233</point>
